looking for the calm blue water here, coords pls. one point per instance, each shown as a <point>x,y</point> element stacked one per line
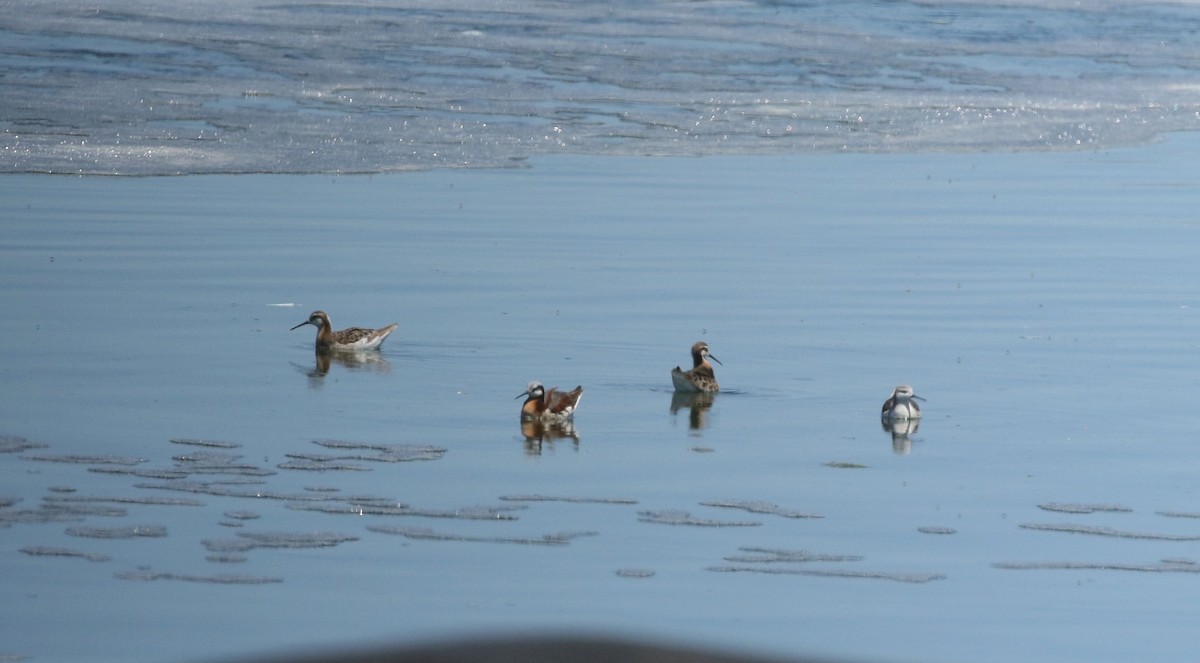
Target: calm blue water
<point>1045,305</point>
<point>967,197</point>
<point>162,87</point>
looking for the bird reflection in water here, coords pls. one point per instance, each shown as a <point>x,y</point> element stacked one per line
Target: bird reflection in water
<point>540,434</point>
<point>352,361</point>
<point>901,431</point>
<point>698,405</point>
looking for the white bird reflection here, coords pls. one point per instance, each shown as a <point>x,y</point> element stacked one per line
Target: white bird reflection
<point>901,431</point>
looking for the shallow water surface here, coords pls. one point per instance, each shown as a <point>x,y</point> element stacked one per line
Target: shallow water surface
<point>252,86</point>
<point>178,463</point>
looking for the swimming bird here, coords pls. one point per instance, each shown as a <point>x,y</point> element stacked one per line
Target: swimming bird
<point>354,339</point>
<point>551,406</point>
<point>902,404</point>
<point>701,378</point>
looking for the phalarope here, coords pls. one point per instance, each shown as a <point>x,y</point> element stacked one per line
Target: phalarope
<point>354,339</point>
<point>902,404</point>
<point>701,378</point>
<point>549,406</point>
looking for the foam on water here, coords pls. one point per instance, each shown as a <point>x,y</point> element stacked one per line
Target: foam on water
<point>160,87</point>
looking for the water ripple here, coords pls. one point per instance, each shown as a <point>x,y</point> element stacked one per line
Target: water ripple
<point>407,87</point>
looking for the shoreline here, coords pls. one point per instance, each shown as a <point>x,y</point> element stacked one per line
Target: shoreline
<point>531,162</point>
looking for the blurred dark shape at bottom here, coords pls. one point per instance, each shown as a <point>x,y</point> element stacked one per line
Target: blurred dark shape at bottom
<point>550,649</point>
